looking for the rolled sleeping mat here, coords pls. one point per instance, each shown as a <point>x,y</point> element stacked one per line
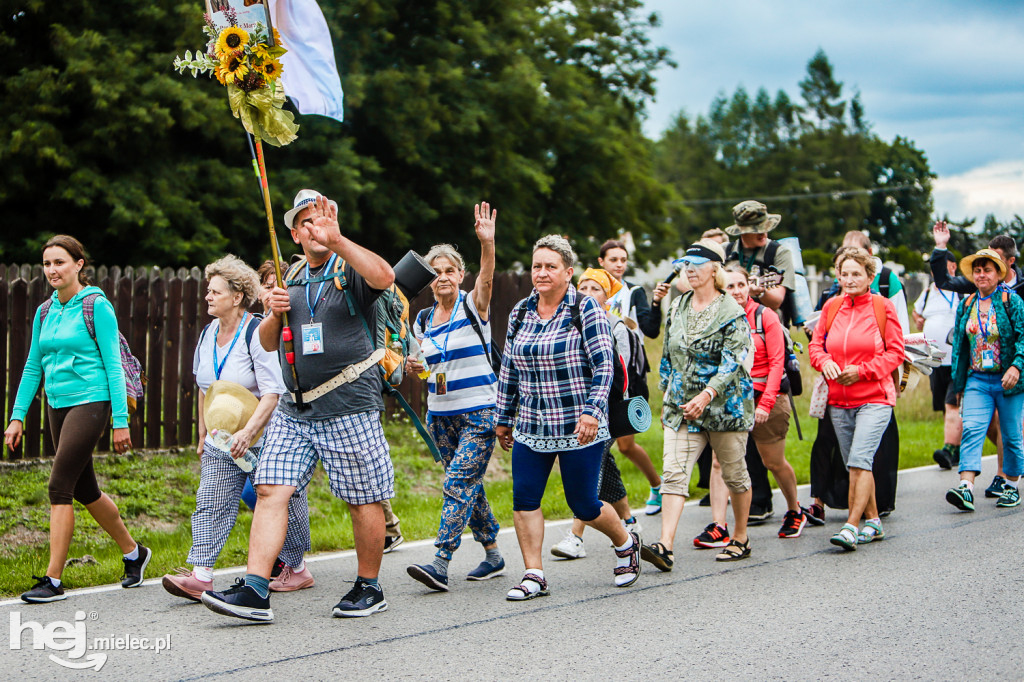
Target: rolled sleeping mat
<point>628,417</point>
<point>413,274</point>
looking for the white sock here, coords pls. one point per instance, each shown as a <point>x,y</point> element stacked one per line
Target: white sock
<point>134,554</point>
<point>300,568</point>
<point>629,543</point>
<point>535,571</point>
<point>967,484</point>
<point>623,561</point>
<point>55,581</point>
<point>1012,484</point>
<point>203,573</point>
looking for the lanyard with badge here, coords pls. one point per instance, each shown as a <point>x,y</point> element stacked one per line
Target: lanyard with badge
<point>313,332</point>
<point>988,357</point>
<point>440,381</point>
<point>218,367</point>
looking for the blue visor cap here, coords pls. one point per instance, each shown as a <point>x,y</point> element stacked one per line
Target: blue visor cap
<point>695,261</point>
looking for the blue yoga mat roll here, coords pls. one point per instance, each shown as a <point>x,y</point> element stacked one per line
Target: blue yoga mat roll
<point>628,417</point>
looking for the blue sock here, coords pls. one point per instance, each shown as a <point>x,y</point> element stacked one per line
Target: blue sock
<point>367,581</point>
<point>258,583</point>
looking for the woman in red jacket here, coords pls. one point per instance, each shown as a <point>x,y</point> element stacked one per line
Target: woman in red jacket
<point>857,344</point>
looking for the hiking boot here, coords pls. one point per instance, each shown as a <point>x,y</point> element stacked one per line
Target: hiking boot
<point>1009,498</point>
<point>759,514</point>
<point>815,514</point>
<point>793,524</point>
<point>362,600</point>
<point>288,580</point>
<point>43,591</point>
<point>996,487</point>
<point>961,497</point>
<point>135,569</point>
<point>712,537</point>
<point>653,504</point>
<point>569,547</point>
<point>185,584</point>
<point>239,601</point>
<point>428,575</point>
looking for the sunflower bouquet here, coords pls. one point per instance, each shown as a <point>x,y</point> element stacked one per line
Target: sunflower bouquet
<point>248,64</point>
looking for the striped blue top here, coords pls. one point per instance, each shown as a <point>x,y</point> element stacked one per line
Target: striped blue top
<point>453,348</point>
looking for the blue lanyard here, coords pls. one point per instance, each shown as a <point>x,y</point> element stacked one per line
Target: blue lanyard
<point>447,333</point>
<point>949,301</point>
<point>984,330</point>
<point>219,367</point>
<point>312,306</point>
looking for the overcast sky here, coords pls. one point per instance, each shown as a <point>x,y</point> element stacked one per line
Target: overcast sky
<point>947,74</point>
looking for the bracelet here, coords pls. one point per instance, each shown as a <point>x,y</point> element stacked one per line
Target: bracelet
<point>711,393</point>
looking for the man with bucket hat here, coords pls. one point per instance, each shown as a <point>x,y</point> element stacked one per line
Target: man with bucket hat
<point>333,415</point>
<point>769,260</point>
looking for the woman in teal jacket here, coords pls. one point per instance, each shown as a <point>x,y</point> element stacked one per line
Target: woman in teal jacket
<point>988,356</point>
<point>84,383</point>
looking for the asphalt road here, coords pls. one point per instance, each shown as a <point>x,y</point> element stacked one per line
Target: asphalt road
<point>938,599</point>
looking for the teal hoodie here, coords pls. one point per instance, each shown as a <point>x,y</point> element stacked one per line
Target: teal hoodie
<point>77,369</point>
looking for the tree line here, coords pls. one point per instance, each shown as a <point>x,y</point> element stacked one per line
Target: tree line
<point>536,106</point>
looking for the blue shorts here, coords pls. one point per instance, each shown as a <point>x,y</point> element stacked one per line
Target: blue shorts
<point>355,454</point>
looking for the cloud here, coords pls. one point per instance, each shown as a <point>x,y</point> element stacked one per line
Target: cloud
<point>996,188</point>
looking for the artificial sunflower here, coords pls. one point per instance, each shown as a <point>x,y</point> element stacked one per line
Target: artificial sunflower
<point>232,38</point>
<point>233,68</point>
<point>272,69</point>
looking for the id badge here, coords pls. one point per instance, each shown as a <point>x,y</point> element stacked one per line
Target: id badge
<point>988,359</point>
<point>313,338</point>
<point>441,385</point>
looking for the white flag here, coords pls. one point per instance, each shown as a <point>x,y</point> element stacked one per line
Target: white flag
<point>309,73</point>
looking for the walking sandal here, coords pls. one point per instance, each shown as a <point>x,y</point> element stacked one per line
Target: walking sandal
<point>522,591</point>
<point>734,551</point>
<point>657,555</point>
<point>628,574</point>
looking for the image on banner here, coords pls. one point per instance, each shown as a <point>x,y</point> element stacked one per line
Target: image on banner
<point>249,13</point>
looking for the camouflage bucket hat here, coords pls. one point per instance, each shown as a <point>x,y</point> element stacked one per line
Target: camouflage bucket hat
<point>752,217</point>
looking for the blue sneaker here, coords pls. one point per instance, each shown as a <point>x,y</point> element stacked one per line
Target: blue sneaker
<point>362,600</point>
<point>961,497</point>
<point>1009,498</point>
<point>996,487</point>
<point>654,502</point>
<point>429,576</point>
<point>239,601</point>
<point>486,571</point>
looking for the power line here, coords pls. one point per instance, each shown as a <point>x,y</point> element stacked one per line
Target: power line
<point>835,196</point>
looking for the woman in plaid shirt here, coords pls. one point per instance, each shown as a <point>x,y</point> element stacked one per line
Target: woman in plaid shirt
<point>556,374</point>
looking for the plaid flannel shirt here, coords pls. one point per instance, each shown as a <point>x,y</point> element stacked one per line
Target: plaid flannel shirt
<point>548,377</point>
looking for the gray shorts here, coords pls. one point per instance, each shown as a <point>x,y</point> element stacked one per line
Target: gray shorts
<point>355,454</point>
<point>859,430</point>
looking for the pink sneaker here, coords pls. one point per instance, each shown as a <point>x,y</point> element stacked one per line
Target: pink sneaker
<point>185,584</point>
<point>289,581</point>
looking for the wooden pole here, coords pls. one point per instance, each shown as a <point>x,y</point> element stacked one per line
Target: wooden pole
<point>286,331</point>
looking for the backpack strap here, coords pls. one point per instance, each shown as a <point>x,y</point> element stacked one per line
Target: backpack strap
<point>831,309</point>
<point>44,309</point>
<point>884,278</point>
<point>758,326</point>
<point>473,323</point>
<point>89,313</point>
<point>771,249</point>
<point>513,328</point>
<point>878,302</point>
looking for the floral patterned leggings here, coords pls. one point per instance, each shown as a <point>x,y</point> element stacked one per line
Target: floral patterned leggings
<point>466,442</point>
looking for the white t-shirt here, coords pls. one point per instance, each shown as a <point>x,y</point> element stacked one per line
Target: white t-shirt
<point>453,348</point>
<point>253,367</point>
<point>939,313</point>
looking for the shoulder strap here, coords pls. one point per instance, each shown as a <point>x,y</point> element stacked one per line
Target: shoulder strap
<point>202,334</point>
<point>758,326</point>
<point>878,302</point>
<point>517,323</point>
<point>883,281</point>
<point>926,292</point>
<point>251,328</point>
<point>44,309</point>
<point>770,251</point>
<point>831,309</point>
<point>421,322</point>
<point>89,313</point>
<point>574,309</point>
<point>969,301</point>
<point>293,271</point>
<point>729,248</point>
<point>473,322</point>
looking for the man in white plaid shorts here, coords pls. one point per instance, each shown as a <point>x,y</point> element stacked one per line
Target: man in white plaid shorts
<point>335,420</point>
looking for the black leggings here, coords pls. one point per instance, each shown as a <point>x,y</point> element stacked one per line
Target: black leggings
<point>75,431</point>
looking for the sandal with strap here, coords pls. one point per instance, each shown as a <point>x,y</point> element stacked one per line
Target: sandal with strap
<point>522,591</point>
<point>627,575</point>
<point>659,556</point>
<point>734,551</point>
<point>870,532</point>
<point>845,538</point>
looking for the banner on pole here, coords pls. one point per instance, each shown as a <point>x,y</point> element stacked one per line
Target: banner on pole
<point>248,13</point>
<point>310,77</point>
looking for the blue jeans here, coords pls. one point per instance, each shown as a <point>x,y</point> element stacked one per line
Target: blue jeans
<point>982,396</point>
<point>465,442</point>
<point>580,472</point>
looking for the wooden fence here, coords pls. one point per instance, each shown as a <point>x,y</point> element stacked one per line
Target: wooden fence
<point>160,312</point>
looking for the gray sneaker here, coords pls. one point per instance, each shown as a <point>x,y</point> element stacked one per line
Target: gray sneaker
<point>44,591</point>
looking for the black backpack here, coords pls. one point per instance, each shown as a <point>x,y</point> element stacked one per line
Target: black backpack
<point>792,382</point>
<point>787,310</point>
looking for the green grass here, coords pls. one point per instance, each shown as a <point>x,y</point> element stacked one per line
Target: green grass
<point>156,495</point>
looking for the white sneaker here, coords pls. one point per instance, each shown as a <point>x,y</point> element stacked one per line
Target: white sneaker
<point>633,527</point>
<point>569,547</point>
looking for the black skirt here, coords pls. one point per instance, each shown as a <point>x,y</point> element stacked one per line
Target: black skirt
<point>831,482</point>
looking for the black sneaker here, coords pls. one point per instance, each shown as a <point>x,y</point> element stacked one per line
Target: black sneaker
<point>362,600</point>
<point>391,542</point>
<point>429,576</point>
<point>705,501</point>
<point>759,515</point>
<point>944,458</point>
<point>278,567</point>
<point>43,591</point>
<point>239,601</point>
<point>134,569</point>
<point>996,489</point>
<point>815,514</point>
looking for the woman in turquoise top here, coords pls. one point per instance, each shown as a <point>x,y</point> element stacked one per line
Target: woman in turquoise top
<point>84,383</point>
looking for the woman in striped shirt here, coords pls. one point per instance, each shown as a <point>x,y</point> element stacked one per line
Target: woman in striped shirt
<point>556,374</point>
<point>455,335</point>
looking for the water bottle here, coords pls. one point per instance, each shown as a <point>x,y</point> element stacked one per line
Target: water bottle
<point>223,439</point>
<point>420,356</point>
<point>396,344</point>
